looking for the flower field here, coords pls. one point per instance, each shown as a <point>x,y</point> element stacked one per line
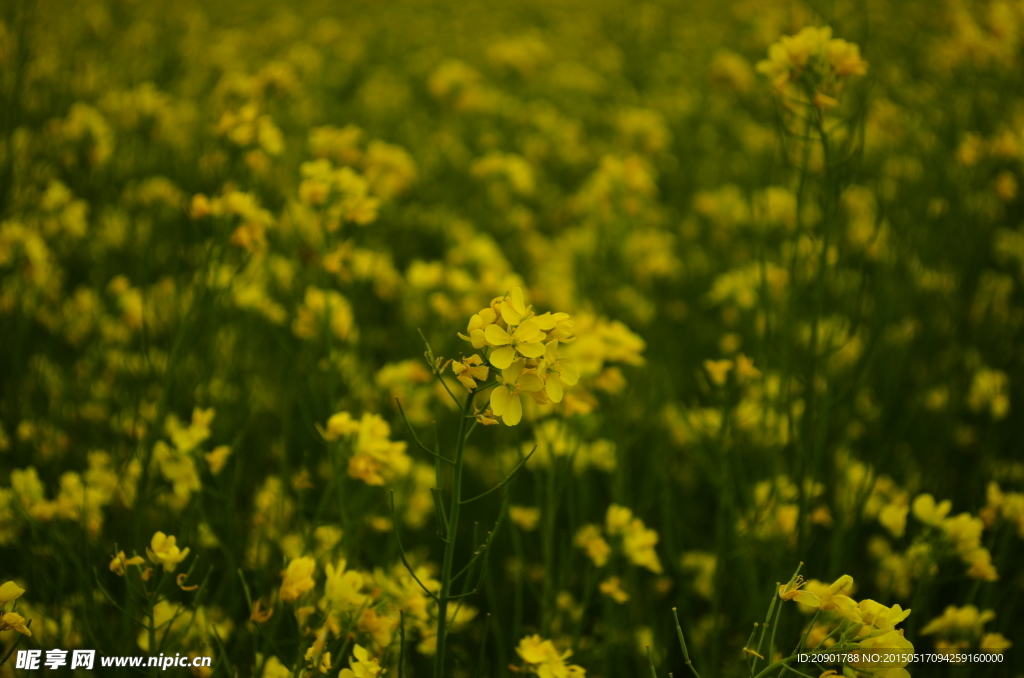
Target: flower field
<point>479,340</point>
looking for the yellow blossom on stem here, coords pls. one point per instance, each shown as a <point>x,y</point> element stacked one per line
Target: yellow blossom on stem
<point>525,340</point>
<point>119,562</point>
<point>470,370</point>
<point>556,373</point>
<point>12,621</point>
<point>163,550</point>
<point>514,380</point>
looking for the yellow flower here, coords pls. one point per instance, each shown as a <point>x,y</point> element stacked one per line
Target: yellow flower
<point>525,517</point>
<point>590,540</point>
<point>163,550</point>
<point>15,622</point>
<point>478,323</point>
<point>342,590</point>
<point>514,380</point>
<point>928,512</point>
<point>486,417</point>
<point>718,370</point>
<point>613,589</point>
<point>361,665</point>
<point>217,458</point>
<point>544,659</point>
<point>556,373</point>
<point>8,592</point>
<point>966,621</point>
<point>831,599</point>
<point>119,562</point>
<point>994,642</point>
<point>340,424</point>
<point>638,543</point>
<point>298,578</point>
<point>745,370</point>
<point>470,370</point>
<point>525,340</point>
<point>617,519</point>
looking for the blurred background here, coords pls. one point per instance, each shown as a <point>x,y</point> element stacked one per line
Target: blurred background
<point>794,287</point>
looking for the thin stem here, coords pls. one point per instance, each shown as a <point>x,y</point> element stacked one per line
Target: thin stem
<point>449,550</point>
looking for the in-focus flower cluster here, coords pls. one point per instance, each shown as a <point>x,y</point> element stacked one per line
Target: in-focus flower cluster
<point>866,625</point>
<point>524,347</point>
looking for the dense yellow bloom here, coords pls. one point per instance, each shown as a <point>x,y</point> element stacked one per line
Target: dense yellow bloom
<point>163,550</point>
<point>525,340</point>
<point>298,579</point>
<point>524,347</point>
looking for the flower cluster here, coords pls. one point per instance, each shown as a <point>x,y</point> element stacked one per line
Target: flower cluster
<point>866,625</point>
<point>814,61</point>
<point>524,347</point>
<point>376,458</point>
<point>638,541</point>
<point>960,628</point>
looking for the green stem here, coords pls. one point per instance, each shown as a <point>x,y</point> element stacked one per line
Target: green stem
<point>449,549</point>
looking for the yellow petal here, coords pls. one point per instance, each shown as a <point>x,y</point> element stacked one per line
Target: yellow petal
<point>503,357</point>
<point>569,374</point>
<point>499,398</point>
<point>530,383</point>
<point>545,322</point>
<point>528,331</point>
<point>533,349</point>
<point>497,336</point>
<point>513,411</point>
<point>517,301</point>
<point>554,388</point>
<point>509,314</point>
<point>511,374</point>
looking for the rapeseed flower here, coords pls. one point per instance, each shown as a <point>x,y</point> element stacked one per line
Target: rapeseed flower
<point>10,592</point>
<point>163,550</point>
<point>119,562</point>
<point>298,579</point>
<point>505,397</point>
<point>545,661</point>
<point>469,370</point>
